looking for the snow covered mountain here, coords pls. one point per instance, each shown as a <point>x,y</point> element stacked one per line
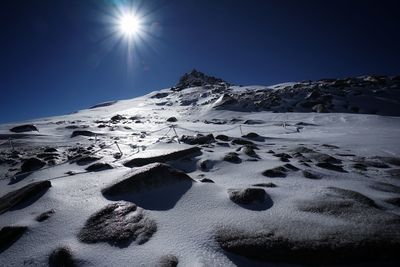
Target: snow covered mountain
<point>209,174</point>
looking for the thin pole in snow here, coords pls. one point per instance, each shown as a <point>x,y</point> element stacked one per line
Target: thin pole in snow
<point>118,148</point>
<point>176,134</point>
<point>240,127</point>
<point>11,144</point>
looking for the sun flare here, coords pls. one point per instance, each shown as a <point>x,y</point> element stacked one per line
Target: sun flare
<point>129,24</point>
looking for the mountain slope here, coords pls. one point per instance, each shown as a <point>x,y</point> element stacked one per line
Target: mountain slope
<point>231,178</point>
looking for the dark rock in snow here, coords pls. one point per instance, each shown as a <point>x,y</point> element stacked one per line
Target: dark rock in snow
<point>247,195</point>
<point>394,201</point>
<point>168,261</point>
<point>340,202</point>
<point>334,249</point>
<point>232,157</point>
<point>239,141</point>
<point>119,224</point>
<point>61,257</point>
<point>197,139</point>
<point>385,187</point>
<point>222,137</point>
<point>330,146</point>
<point>45,215</point>
<point>206,180</point>
<point>87,160</point>
<point>311,175</point>
<point>9,235</point>
<point>330,166</point>
<point>137,162</point>
<point>359,166</point>
<point>291,167</point>
<point>283,156</point>
<point>172,119</point>
<point>390,160</point>
<point>146,178</point>
<point>321,157</point>
<point>251,135</point>
<point>82,133</point>
<point>117,118</point>
<point>155,186</point>
<point>277,172</point>
<point>265,185</point>
<point>160,95</point>
<point>375,164</point>
<point>253,122</point>
<point>249,151</point>
<point>32,164</point>
<point>23,196</point>
<point>50,150</point>
<point>394,173</point>
<point>303,150</point>
<point>99,166</point>
<point>24,128</point>
<point>205,164</point>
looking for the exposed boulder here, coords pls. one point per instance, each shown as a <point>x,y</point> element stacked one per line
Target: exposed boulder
<point>117,118</point>
<point>99,166</point>
<point>50,150</point>
<point>145,178</point>
<point>205,164</point>
<point>332,249</point>
<point>45,215</point>
<point>168,261</point>
<point>172,119</point>
<point>137,162</point>
<point>249,151</point>
<point>24,195</point>
<point>82,133</point>
<point>247,195</point>
<point>253,122</point>
<point>232,157</point>
<point>85,160</point>
<point>155,186</point>
<point>386,187</point>
<point>340,202</point>
<point>283,156</point>
<point>206,180</point>
<point>277,172</point>
<point>265,185</point>
<point>119,224</point>
<point>198,139</point>
<point>330,166</point>
<point>24,128</point>
<point>222,137</point>
<point>32,164</point>
<point>239,141</point>
<point>251,135</point>
<point>394,201</point>
<point>311,175</point>
<point>160,95</point>
<point>9,235</point>
<point>61,257</point>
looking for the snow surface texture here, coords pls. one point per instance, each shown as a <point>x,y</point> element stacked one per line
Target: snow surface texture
<point>331,180</point>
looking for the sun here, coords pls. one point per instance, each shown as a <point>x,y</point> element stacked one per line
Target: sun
<point>129,24</point>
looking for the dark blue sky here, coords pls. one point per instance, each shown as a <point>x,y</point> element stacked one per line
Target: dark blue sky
<point>55,56</point>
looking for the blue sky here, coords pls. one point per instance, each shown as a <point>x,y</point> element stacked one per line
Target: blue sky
<point>56,57</point>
